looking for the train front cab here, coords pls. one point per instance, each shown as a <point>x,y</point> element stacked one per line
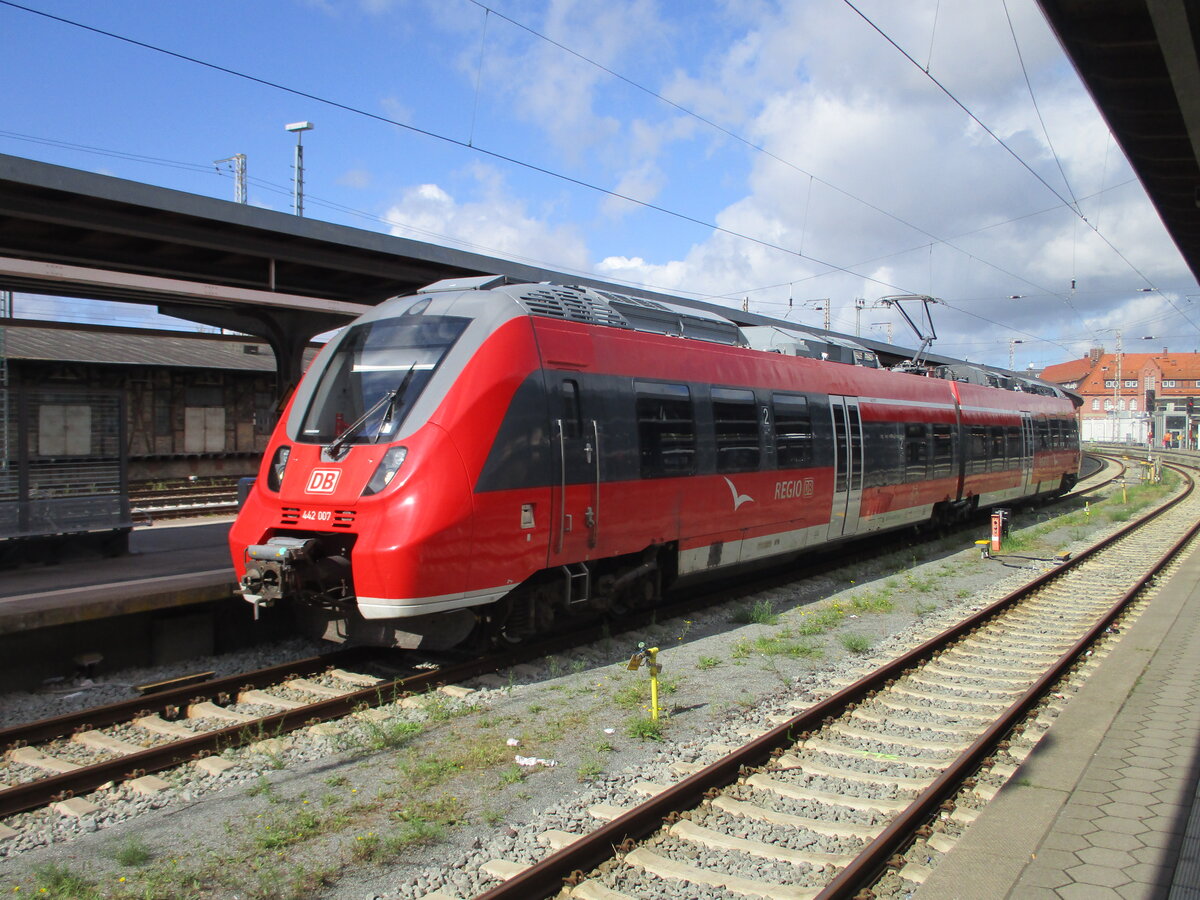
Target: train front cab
<point>364,512</point>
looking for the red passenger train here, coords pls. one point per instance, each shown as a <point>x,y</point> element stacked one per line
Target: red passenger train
<point>486,458</point>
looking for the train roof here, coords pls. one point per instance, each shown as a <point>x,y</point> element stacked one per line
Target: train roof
<point>615,310</point>
<point>600,307</point>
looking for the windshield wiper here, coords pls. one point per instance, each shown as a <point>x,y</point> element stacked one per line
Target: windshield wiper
<point>397,396</point>
<point>334,448</point>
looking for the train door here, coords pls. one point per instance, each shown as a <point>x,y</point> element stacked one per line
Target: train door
<point>1028,446</point>
<point>575,435</point>
<point>847,466</point>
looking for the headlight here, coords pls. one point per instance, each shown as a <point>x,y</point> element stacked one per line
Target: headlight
<point>278,464</point>
<point>386,471</point>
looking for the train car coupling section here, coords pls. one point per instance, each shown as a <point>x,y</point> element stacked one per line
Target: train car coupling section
<point>293,568</point>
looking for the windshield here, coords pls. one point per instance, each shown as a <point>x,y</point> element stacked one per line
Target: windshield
<point>376,374</point>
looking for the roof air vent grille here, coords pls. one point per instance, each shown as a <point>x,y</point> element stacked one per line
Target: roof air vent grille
<point>563,303</point>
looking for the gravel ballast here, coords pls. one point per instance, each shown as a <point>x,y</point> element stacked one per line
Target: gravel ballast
<point>423,800</point>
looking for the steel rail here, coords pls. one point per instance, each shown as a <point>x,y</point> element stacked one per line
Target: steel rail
<point>22,797</point>
<point>859,873</point>
<point>566,866</point>
<point>1122,468</point>
<point>164,701</point>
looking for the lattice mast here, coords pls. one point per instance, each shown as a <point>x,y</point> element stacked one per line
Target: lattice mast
<point>238,162</point>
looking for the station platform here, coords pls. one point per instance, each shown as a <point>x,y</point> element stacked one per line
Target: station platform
<point>1107,805</point>
<point>170,564</point>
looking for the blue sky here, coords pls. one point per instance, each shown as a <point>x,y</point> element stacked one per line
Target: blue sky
<point>792,153</point>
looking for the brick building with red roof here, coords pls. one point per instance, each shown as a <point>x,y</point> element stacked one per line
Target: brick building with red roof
<point>1134,397</point>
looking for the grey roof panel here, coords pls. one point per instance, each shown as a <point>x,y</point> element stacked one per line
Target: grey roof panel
<point>106,346</point>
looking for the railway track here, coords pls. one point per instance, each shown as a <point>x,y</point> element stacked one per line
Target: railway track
<point>182,499</point>
<point>59,759</point>
<point>819,805</point>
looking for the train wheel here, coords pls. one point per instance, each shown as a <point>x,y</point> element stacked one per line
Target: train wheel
<point>527,612</point>
<point>641,593</point>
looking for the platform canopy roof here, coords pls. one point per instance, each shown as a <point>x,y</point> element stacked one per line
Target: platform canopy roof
<point>1139,60</point>
<point>79,234</point>
<point>55,214</point>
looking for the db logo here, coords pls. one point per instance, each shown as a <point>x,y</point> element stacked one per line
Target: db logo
<point>323,481</point>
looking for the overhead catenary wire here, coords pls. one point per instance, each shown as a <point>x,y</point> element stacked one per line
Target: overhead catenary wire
<point>1033,97</point>
<point>469,144</point>
<point>973,231</point>
<point>974,118</point>
<point>830,267</point>
<point>1073,205</point>
<point>758,147</point>
<point>493,154</point>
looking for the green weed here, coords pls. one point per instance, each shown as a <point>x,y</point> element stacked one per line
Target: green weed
<point>286,830</point>
<point>56,880</point>
<point>386,735</point>
<point>761,613</point>
<point>855,643</point>
<point>589,769</point>
<point>644,729</point>
<point>513,774</point>
<point>636,694</point>
<point>782,645</point>
<point>132,852</point>
<point>871,602</point>
<point>819,621</point>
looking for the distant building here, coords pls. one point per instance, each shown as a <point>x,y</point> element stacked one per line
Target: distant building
<point>1135,397</point>
<point>195,403</point>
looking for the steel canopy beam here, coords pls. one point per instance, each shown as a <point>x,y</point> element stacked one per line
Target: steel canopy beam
<point>34,277</point>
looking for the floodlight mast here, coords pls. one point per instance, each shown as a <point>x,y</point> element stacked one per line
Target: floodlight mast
<point>925,300</point>
<point>298,179</point>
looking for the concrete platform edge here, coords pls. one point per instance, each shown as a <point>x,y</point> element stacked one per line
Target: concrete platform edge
<point>69,606</point>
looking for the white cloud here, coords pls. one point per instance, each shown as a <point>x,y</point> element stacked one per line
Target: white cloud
<point>870,167</point>
<point>496,223</point>
<point>396,109</point>
<point>869,122</point>
<point>356,178</point>
<point>641,183</point>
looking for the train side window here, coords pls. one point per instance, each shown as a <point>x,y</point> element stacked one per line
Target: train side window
<point>978,438</point>
<point>1042,434</point>
<point>943,452</point>
<point>1015,448</point>
<point>735,421</point>
<point>1072,434</point>
<point>916,442</point>
<point>996,435</point>
<point>793,431</point>
<point>666,429</point>
<point>572,421</point>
